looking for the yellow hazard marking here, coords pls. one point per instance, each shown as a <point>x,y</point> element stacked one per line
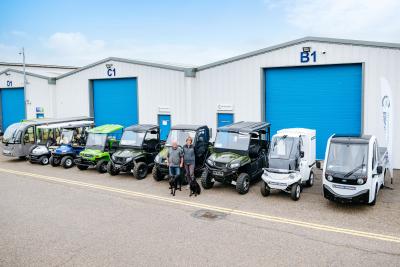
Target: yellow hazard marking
<point>259,216</point>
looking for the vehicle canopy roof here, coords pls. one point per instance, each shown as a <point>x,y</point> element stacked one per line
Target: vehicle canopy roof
<point>64,125</point>
<point>244,127</point>
<point>192,127</point>
<point>142,127</point>
<point>106,129</point>
<point>43,121</point>
<point>352,139</point>
<point>296,132</point>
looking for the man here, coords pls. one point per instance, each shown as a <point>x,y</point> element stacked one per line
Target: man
<point>175,159</point>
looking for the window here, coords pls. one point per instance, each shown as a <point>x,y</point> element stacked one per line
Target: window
<point>29,137</point>
<point>151,135</point>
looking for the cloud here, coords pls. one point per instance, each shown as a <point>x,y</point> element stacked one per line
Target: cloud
<point>368,19</point>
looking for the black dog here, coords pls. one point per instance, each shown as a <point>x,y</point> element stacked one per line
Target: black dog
<point>194,188</point>
<point>175,182</point>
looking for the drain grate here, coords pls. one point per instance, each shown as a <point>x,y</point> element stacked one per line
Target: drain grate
<point>209,215</point>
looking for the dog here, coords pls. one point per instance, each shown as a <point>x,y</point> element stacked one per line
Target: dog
<point>175,183</point>
<point>194,188</point>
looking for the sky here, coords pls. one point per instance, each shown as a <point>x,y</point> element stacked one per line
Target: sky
<point>188,32</point>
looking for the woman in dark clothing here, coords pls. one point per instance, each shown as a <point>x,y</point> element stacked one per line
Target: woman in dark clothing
<point>189,159</point>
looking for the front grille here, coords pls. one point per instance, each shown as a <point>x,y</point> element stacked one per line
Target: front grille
<point>119,160</point>
<point>338,180</point>
<point>220,164</point>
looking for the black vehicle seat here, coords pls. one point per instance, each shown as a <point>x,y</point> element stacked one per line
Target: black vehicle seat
<point>152,144</point>
<point>254,150</point>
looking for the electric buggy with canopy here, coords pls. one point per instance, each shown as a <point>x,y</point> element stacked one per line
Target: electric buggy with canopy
<point>239,155</point>
<point>137,150</point>
<point>291,161</point>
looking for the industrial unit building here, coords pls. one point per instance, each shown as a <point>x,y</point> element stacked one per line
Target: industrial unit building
<point>331,85</point>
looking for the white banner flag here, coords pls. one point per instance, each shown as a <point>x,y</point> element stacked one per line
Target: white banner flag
<point>387,110</point>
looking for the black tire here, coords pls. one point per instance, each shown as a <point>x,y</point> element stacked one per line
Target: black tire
<point>140,170</point>
<point>376,194</point>
<point>295,191</point>
<point>44,160</point>
<point>157,174</point>
<point>243,183</point>
<point>82,167</point>
<point>101,166</point>
<point>311,179</point>
<point>206,181</point>
<point>67,162</point>
<point>111,170</point>
<point>264,189</point>
<point>54,161</point>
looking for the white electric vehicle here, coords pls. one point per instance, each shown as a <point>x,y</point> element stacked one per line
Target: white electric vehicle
<point>291,162</point>
<point>354,169</point>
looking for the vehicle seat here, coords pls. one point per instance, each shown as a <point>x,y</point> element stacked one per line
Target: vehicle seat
<point>254,150</point>
<point>152,144</point>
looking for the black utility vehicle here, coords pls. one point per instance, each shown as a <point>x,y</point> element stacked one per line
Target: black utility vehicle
<point>239,155</point>
<point>201,141</point>
<point>137,149</point>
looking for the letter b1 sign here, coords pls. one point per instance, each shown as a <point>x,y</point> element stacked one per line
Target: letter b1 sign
<point>305,57</point>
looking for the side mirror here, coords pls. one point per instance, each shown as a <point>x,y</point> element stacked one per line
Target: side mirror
<point>318,164</point>
<point>301,154</point>
<point>379,170</point>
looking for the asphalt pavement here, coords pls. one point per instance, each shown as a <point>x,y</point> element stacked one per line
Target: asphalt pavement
<point>53,217</point>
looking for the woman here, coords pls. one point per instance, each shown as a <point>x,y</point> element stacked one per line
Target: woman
<point>189,159</point>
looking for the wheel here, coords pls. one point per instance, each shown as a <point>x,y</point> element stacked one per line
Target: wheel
<point>295,191</point>
<point>67,162</point>
<point>243,183</point>
<point>206,181</point>
<point>156,173</point>
<point>44,160</point>
<point>111,170</point>
<point>375,195</point>
<point>264,189</point>
<point>54,161</point>
<point>140,170</point>
<point>101,166</point>
<point>310,181</point>
<point>82,167</point>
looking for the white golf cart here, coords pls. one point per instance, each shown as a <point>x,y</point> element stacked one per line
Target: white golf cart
<point>291,161</point>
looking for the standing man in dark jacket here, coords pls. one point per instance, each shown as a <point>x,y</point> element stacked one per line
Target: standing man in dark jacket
<point>189,159</point>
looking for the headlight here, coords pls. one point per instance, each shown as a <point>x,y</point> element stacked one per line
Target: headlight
<point>234,165</point>
<point>361,180</point>
<point>292,176</point>
<point>329,178</point>
<point>210,162</point>
<point>113,157</point>
<point>129,159</point>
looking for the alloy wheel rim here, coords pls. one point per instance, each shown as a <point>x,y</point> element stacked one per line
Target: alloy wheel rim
<point>45,160</point>
<point>68,162</point>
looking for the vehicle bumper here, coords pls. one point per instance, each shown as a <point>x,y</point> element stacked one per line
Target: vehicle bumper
<point>85,162</point>
<point>125,167</point>
<point>222,175</point>
<point>361,196</point>
<point>280,181</point>
<point>36,158</point>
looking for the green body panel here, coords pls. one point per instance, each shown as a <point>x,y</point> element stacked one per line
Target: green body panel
<point>229,157</point>
<point>94,154</point>
<point>106,129</point>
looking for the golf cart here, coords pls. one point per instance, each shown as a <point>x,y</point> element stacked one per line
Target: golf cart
<point>72,142</point>
<point>46,141</point>
<point>101,142</point>
<point>201,137</point>
<point>240,154</point>
<point>137,149</point>
<point>291,161</point>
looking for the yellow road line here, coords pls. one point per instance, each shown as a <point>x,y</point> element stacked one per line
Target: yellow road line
<point>259,216</point>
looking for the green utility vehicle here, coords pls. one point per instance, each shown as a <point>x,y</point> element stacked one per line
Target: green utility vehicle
<point>239,156</point>
<point>137,149</point>
<point>101,143</point>
<point>201,141</point>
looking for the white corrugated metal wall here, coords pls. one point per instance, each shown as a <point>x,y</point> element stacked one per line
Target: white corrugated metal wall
<point>157,88</point>
<point>240,83</point>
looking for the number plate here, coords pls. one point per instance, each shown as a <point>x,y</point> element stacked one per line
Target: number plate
<point>218,173</point>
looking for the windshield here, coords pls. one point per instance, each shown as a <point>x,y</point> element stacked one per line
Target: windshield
<point>96,141</point>
<point>179,136</point>
<point>234,141</point>
<point>281,147</point>
<point>130,138</point>
<point>66,136</point>
<point>347,158</point>
<point>12,133</point>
